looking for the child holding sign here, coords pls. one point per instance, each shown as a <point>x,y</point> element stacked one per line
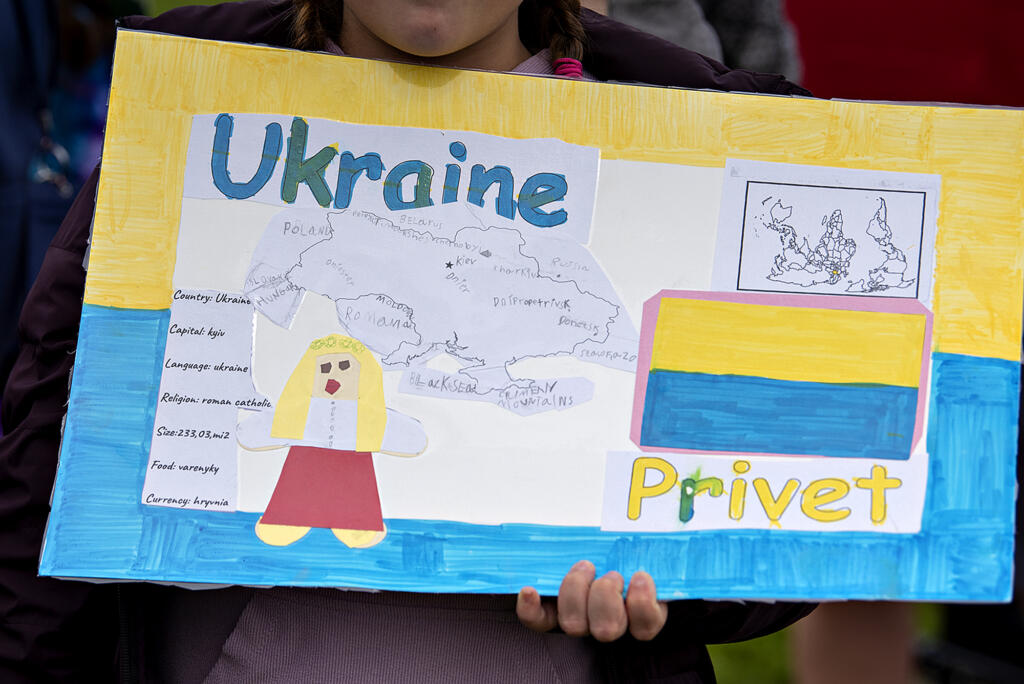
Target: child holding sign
<point>287,634</point>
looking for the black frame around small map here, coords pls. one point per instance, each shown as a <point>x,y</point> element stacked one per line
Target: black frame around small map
<point>829,288</point>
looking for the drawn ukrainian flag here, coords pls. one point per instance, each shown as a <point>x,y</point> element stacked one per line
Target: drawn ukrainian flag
<point>754,375</point>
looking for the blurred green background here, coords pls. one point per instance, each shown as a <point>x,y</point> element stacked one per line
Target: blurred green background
<point>158,6</point>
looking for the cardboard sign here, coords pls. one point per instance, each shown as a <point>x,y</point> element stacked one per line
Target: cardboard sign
<point>360,324</point>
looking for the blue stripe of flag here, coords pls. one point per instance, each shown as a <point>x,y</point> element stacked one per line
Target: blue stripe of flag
<point>738,413</point>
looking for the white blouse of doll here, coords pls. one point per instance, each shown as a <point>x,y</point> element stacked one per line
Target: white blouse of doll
<point>331,423</point>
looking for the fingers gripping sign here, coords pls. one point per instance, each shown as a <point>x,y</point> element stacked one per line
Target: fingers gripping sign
<point>589,606</point>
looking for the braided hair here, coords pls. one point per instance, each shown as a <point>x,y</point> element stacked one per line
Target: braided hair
<point>313,22</point>
<point>560,28</point>
<point>556,25</point>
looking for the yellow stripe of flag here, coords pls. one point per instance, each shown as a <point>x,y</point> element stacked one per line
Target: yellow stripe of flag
<point>789,343</point>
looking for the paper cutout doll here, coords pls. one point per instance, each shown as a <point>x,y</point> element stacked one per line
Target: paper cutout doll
<point>332,417</point>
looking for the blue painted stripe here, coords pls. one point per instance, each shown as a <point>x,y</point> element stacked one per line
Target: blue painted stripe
<point>99,528</point>
<point>738,413</point>
<point>105,447</point>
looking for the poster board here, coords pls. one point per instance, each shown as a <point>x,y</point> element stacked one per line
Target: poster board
<point>760,347</point>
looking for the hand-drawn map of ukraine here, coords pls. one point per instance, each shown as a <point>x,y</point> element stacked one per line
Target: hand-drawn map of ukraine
<point>486,296</point>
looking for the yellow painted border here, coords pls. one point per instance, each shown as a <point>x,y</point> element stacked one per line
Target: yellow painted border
<point>160,82</point>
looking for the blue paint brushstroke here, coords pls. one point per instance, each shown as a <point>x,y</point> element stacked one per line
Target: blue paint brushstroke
<point>739,413</point>
<point>105,446</point>
<point>99,528</point>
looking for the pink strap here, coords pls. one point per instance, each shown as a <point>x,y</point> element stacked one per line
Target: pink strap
<point>568,67</point>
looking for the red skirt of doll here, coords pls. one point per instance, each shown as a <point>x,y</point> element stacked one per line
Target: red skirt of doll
<point>326,488</point>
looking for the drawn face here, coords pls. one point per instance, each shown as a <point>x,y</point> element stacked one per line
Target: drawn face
<point>337,376</point>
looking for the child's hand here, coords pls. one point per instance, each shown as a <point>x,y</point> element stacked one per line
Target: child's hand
<point>596,607</point>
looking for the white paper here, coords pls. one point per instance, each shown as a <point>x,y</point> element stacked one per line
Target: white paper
<point>394,145</point>
<point>876,495</point>
<point>485,463</point>
<point>206,381</point>
<point>479,296</point>
<point>525,398</point>
<point>452,278</point>
<point>824,230</point>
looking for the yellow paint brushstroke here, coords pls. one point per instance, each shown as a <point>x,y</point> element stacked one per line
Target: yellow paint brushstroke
<point>787,343</point>
<point>978,152</point>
